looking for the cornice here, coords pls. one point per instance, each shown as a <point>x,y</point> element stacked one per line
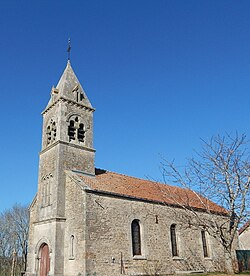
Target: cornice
<point>57,219</point>
<point>67,144</point>
<point>71,102</point>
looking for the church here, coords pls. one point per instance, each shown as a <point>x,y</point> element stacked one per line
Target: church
<point>86,221</point>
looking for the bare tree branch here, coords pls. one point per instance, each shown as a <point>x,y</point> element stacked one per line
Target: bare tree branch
<point>219,173</point>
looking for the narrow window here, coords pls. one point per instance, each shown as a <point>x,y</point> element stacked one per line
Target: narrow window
<point>204,243</point>
<point>136,237</point>
<point>71,130</point>
<point>48,135</point>
<point>72,246</point>
<point>43,194</point>
<point>53,130</point>
<point>81,133</point>
<point>173,240</point>
<point>48,192</point>
<point>81,97</point>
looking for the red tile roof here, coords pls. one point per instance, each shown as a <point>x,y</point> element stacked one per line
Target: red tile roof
<point>122,185</point>
<point>244,227</point>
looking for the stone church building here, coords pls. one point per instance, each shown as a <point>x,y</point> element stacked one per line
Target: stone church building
<point>87,221</point>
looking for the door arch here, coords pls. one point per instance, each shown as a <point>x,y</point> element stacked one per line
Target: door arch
<point>44,265</point>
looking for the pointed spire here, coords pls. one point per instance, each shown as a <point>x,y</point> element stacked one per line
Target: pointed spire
<point>69,88</point>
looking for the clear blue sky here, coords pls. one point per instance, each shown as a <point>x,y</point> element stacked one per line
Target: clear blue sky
<point>161,75</point>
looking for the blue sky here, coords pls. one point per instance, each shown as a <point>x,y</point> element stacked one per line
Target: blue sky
<point>161,75</point>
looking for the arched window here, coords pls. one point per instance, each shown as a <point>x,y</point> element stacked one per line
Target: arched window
<point>76,130</point>
<point>72,247</point>
<point>136,237</point>
<point>51,132</point>
<point>71,130</point>
<point>48,135</point>
<point>173,240</point>
<point>81,133</point>
<point>46,190</point>
<point>204,243</point>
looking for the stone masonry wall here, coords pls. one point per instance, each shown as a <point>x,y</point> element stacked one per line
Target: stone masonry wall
<point>74,250</point>
<point>109,244</point>
<point>244,240</point>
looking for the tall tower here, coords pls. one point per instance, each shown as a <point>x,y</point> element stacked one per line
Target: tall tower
<point>67,141</point>
<point>67,144</point>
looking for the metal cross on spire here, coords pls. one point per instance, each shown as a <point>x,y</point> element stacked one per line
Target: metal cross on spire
<point>69,48</point>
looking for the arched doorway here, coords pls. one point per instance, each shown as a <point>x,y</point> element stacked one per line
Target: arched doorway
<point>44,260</point>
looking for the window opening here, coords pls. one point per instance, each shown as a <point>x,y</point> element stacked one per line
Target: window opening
<point>76,130</point>
<point>71,130</point>
<point>46,191</point>
<point>204,243</point>
<point>173,240</point>
<point>51,132</point>
<point>43,195</point>
<point>48,135</point>
<point>136,237</point>
<point>81,133</point>
<point>72,246</point>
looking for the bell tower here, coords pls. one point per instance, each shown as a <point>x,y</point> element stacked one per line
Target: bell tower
<point>67,144</point>
<point>67,141</point>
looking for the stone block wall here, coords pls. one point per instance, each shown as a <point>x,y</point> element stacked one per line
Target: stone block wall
<point>74,250</point>
<point>244,239</point>
<point>109,242</point>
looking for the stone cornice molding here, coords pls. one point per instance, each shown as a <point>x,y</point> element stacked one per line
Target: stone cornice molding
<point>57,219</point>
<point>71,102</point>
<point>67,144</point>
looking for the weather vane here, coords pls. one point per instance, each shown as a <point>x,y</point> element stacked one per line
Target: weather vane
<point>69,48</point>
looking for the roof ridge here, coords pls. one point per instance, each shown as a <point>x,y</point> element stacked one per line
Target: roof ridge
<point>117,183</point>
<point>135,177</point>
<point>142,179</point>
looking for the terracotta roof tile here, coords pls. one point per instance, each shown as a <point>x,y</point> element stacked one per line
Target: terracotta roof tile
<point>123,185</point>
<point>244,227</point>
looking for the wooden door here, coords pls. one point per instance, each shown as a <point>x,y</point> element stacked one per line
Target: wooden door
<point>44,260</point>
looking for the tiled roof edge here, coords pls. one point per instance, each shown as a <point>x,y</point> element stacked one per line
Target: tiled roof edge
<point>94,191</point>
<point>244,227</point>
